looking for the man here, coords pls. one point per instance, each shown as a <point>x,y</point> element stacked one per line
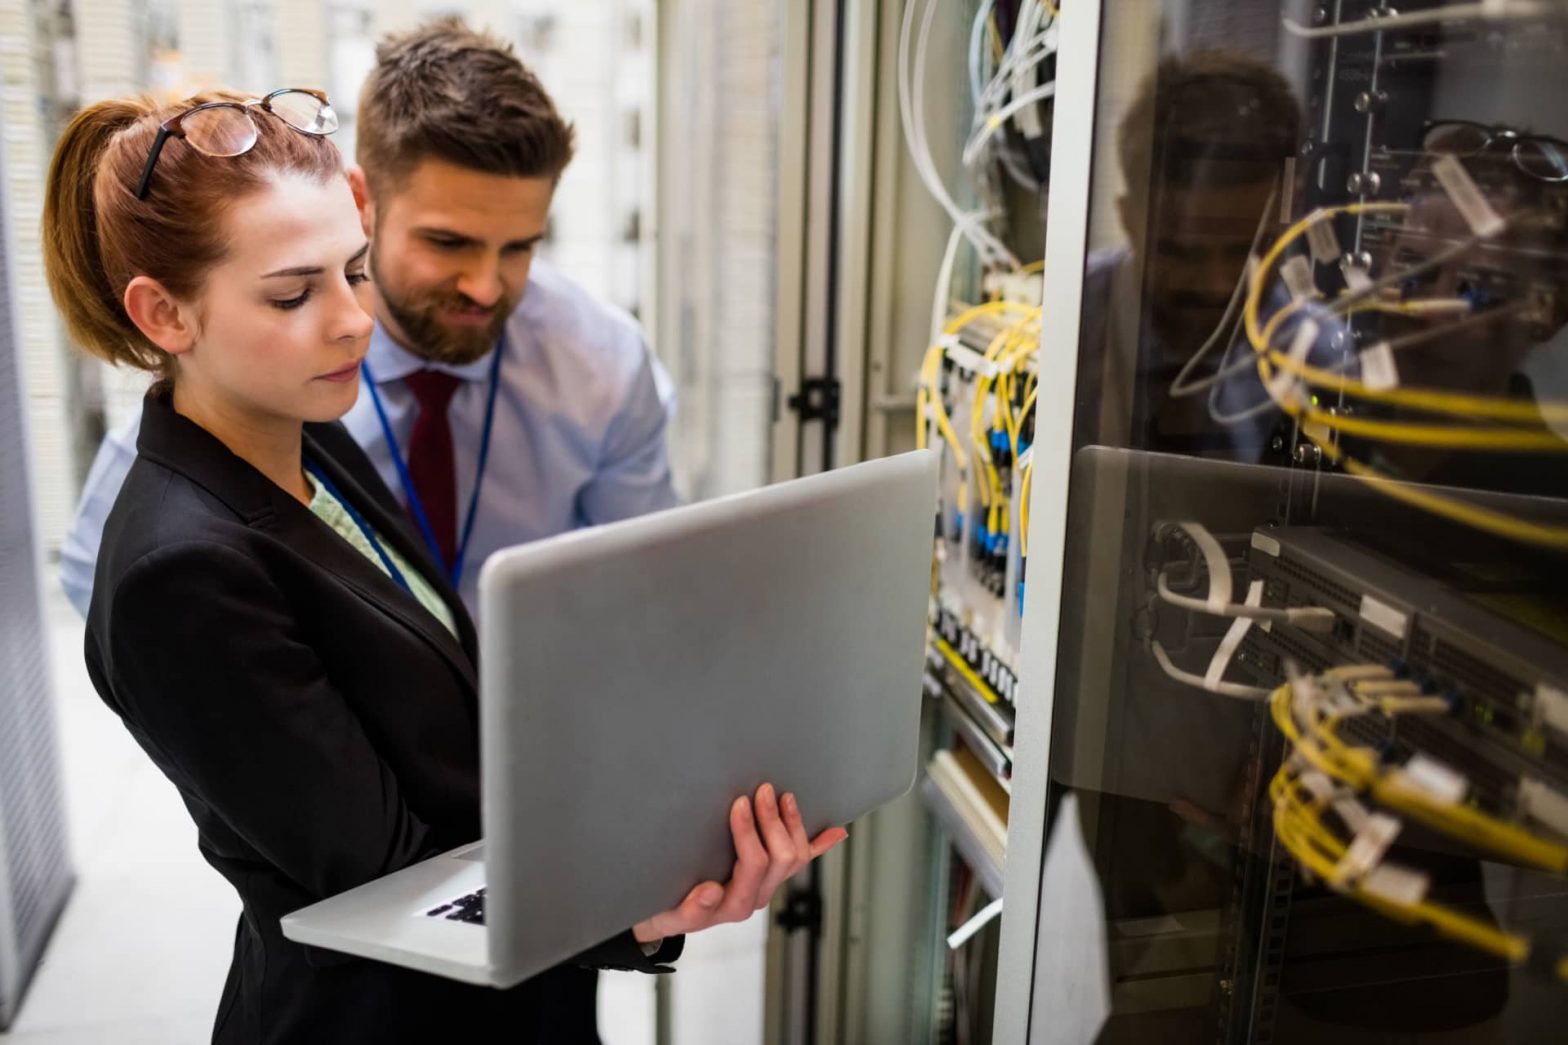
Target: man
<point>1203,147</point>
<point>459,153</point>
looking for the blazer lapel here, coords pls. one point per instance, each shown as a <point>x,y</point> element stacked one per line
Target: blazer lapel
<point>394,529</point>
<point>180,444</point>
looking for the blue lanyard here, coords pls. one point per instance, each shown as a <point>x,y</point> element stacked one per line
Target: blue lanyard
<point>359,520</point>
<point>455,568</point>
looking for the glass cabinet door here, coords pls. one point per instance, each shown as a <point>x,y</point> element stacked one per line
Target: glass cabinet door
<point>1310,718</point>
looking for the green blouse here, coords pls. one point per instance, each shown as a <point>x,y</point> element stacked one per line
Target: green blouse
<point>331,511</point>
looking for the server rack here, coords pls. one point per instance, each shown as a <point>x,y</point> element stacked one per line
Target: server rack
<point>35,867</point>
<point>1345,490</point>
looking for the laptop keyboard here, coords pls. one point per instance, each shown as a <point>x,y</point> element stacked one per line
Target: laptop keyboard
<point>470,908</point>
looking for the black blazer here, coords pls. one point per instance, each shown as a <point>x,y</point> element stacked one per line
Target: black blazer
<point>320,725</point>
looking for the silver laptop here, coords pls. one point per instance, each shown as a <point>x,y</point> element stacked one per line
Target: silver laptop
<point>635,679</point>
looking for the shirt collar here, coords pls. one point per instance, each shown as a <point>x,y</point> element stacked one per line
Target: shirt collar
<point>390,361</point>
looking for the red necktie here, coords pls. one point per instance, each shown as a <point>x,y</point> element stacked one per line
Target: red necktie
<point>430,456</point>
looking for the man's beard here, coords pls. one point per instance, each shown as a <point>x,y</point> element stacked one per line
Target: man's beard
<point>417,317</point>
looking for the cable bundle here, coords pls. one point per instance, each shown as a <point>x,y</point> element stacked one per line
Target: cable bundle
<point>1004,397</point>
<point>1490,423</point>
<point>1322,817</point>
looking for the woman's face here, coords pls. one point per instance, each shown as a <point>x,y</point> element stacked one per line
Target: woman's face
<point>283,320</point>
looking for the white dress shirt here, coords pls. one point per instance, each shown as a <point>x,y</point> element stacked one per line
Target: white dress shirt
<point>581,418</point>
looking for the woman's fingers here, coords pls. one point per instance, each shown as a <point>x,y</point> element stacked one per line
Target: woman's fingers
<point>797,830</point>
<point>751,864</point>
<point>770,846</point>
<point>695,913</point>
<point>827,840</point>
<point>782,858</point>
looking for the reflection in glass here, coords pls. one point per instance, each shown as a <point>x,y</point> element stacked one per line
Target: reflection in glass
<point>1320,436</point>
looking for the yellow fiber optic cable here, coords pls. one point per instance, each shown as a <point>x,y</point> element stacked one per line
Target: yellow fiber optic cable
<point>1360,768</point>
<point>1302,834</point>
<point>1430,400</point>
<point>1475,516</point>
<point>1473,406</point>
<point>1024,484</point>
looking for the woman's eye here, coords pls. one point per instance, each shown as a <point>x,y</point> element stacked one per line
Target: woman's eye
<point>357,278</point>
<point>294,302</point>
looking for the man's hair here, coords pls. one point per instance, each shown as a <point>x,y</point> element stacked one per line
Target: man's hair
<point>1212,117</point>
<point>446,91</point>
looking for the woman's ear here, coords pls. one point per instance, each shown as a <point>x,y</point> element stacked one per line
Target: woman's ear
<point>160,316</point>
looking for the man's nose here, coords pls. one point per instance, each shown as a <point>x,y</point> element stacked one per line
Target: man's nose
<point>481,284</point>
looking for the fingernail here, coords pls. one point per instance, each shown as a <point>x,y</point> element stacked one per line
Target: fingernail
<point>710,896</point>
<point>766,793</point>
<point>744,808</point>
<point>789,803</point>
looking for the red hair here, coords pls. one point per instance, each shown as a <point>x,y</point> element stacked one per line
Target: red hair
<point>97,236</point>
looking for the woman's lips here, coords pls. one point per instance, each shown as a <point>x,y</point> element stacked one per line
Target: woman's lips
<point>340,376</point>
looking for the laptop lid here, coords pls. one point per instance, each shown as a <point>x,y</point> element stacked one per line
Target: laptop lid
<point>636,678</point>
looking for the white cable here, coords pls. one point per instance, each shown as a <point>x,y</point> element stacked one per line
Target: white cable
<point>911,114</point>
<point>1316,619</point>
<point>1017,166</point>
<point>944,285</point>
<point>962,934</point>
<point>912,139</point>
<point>1235,635</point>
<point>1021,57</point>
<point>1033,16</point>
<point>1216,563</point>
<point>1228,322</point>
<point>994,250</point>
<point>1032,44</point>
<point>1020,54</point>
<point>1255,410</point>
<point>977,51</point>
<point>1224,689</point>
<point>1488,9</point>
<point>997,120</point>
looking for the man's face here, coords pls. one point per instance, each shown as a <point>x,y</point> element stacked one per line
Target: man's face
<point>1196,249</point>
<point>450,252</point>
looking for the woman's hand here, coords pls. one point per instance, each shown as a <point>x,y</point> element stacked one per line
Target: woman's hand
<point>770,846</point>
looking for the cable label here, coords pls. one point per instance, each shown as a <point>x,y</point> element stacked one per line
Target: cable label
<point>1283,384</point>
<point>1297,274</point>
<point>1384,617</point>
<point>1401,885</point>
<point>1434,779</point>
<point>966,358</point>
<point>1466,196</point>
<point>1369,846</point>
<point>1321,238</point>
<point>1378,371</point>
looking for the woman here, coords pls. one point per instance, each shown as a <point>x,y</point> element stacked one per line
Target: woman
<point>261,620</point>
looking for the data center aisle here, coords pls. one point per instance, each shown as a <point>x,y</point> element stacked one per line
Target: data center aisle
<point>141,953</point>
